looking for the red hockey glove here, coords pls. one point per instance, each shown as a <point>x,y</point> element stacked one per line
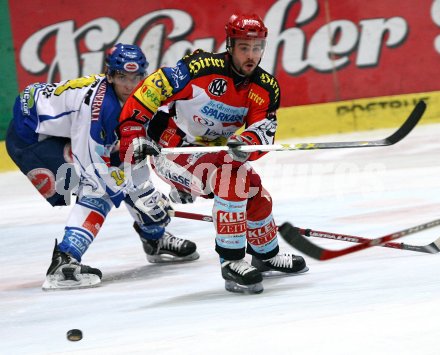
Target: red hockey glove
<point>133,142</point>
<point>235,142</point>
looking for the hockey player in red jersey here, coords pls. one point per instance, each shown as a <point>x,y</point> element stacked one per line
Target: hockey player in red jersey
<point>74,121</point>
<point>203,101</point>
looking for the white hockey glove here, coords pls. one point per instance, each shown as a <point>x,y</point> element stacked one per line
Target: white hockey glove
<point>179,196</point>
<point>235,142</point>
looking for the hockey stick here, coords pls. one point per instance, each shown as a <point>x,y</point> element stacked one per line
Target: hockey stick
<point>189,215</point>
<point>397,136</point>
<point>292,236</point>
<point>431,248</point>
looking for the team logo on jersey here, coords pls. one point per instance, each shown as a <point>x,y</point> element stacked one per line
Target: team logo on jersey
<point>203,121</point>
<point>131,67</point>
<point>218,87</point>
<point>43,180</point>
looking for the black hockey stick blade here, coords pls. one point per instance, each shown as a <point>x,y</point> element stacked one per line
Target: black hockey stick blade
<point>409,124</point>
<point>294,238</point>
<point>412,120</point>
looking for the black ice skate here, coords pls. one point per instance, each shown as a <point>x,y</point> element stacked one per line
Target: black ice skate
<point>66,273</point>
<point>241,277</point>
<point>169,248</point>
<point>285,263</point>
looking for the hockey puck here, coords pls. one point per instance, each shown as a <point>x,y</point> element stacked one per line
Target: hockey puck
<point>74,335</point>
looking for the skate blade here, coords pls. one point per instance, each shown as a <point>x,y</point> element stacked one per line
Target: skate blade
<point>53,283</point>
<point>234,287</point>
<point>168,258</point>
<point>274,273</point>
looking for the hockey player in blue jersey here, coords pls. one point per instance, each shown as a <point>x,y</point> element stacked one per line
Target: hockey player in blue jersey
<point>62,137</point>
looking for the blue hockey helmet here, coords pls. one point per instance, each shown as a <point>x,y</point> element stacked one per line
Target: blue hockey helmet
<point>126,58</point>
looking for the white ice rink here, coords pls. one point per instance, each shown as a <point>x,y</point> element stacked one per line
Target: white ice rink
<point>377,301</point>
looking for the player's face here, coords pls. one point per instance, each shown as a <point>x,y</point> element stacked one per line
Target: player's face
<point>246,55</point>
<point>124,83</point>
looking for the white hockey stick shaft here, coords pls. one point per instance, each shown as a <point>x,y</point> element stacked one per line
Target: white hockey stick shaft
<point>217,149</point>
<point>397,136</point>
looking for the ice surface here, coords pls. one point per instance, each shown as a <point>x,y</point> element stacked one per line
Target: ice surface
<point>377,301</point>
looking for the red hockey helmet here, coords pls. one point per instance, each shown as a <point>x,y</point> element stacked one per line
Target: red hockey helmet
<point>245,26</point>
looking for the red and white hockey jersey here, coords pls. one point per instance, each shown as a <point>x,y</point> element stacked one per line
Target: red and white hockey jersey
<point>199,102</point>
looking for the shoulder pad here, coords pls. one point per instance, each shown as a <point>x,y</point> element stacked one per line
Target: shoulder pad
<point>197,51</point>
<point>269,82</point>
<point>202,63</point>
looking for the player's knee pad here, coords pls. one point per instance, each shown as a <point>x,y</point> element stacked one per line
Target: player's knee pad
<point>259,206</point>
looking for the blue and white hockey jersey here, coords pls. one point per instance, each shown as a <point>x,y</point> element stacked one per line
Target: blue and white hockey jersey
<point>86,110</point>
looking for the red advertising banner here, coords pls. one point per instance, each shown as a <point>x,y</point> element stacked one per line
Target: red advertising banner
<point>320,50</point>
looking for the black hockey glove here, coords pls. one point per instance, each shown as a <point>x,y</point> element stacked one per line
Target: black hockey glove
<point>179,196</point>
<point>235,142</point>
